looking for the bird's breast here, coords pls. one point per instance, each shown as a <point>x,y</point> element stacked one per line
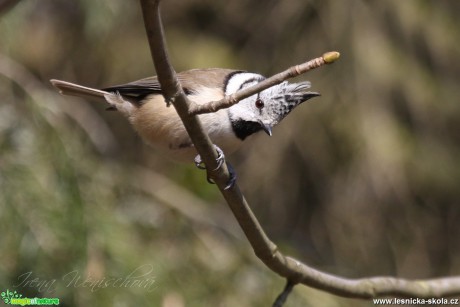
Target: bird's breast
<point>161,127</point>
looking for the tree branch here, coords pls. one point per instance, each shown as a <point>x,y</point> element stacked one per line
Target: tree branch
<point>173,93</point>
<point>281,299</point>
<point>294,71</point>
<point>290,268</point>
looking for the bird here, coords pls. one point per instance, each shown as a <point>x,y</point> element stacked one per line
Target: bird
<point>143,104</point>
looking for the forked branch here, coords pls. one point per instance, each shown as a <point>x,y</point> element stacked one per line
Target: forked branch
<point>293,270</point>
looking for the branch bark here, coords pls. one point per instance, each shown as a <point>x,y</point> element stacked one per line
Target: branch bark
<point>293,270</point>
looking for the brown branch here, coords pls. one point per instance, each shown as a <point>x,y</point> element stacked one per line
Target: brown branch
<point>281,299</point>
<point>290,268</point>
<point>173,93</point>
<point>294,71</point>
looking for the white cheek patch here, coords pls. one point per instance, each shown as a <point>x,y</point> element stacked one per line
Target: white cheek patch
<point>241,80</point>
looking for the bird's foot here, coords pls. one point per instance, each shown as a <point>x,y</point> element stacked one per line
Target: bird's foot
<point>220,161</point>
<point>231,181</point>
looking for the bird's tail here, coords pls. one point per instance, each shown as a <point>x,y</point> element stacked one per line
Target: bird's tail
<point>72,89</point>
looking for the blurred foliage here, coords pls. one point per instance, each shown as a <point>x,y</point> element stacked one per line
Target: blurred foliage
<point>364,180</point>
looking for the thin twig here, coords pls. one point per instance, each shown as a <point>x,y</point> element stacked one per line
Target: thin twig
<point>291,72</point>
<point>281,299</point>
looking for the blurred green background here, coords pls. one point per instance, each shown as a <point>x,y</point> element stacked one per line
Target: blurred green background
<point>362,181</point>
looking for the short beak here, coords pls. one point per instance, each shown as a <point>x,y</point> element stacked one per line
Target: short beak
<point>309,95</point>
<point>267,128</point>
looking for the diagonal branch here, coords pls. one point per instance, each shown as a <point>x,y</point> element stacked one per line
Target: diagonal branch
<point>290,268</point>
<point>173,93</point>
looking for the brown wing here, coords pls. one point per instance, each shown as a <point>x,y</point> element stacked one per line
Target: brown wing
<point>190,80</point>
<point>210,77</point>
<point>137,89</point>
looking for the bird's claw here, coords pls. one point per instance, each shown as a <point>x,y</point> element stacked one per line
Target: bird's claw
<point>232,179</point>
<point>220,161</point>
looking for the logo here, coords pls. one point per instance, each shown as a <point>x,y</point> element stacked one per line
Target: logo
<point>142,278</point>
<point>14,298</point>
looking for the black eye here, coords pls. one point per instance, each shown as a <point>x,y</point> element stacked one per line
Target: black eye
<point>259,103</point>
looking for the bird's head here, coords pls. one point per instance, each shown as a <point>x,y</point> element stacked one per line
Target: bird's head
<point>266,109</point>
